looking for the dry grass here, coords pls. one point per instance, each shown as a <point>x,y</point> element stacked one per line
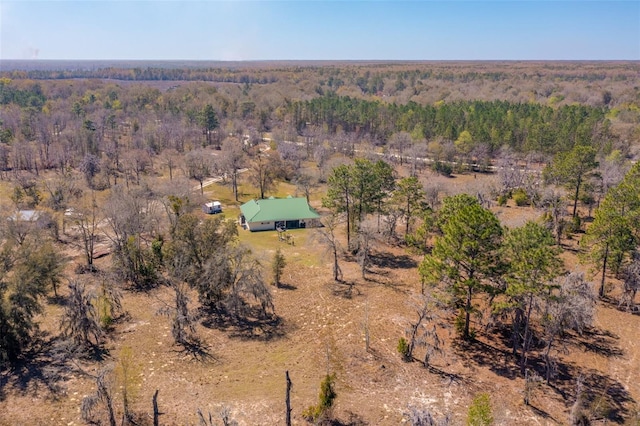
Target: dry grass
<point>320,331</point>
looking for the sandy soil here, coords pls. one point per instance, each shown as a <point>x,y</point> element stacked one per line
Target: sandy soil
<point>322,331</point>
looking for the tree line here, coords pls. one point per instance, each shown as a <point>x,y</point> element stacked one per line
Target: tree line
<point>483,272</point>
<point>524,127</point>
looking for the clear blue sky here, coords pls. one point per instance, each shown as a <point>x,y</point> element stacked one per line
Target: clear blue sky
<point>304,29</point>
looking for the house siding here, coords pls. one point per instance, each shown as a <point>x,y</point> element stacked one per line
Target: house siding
<point>266,214</point>
<point>261,226</point>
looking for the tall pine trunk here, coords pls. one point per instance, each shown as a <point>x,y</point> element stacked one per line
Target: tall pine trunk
<point>575,198</point>
<point>604,270</point>
<point>467,314</point>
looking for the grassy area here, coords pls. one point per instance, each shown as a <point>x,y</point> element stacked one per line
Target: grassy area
<point>6,190</point>
<point>265,243</point>
<point>248,191</point>
<point>301,252</point>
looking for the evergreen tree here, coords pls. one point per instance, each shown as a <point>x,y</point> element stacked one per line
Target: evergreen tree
<point>208,120</point>
<point>277,266</point>
<point>615,230</point>
<point>532,259</point>
<point>465,255</point>
<point>572,169</point>
<point>409,196</point>
<point>340,194</point>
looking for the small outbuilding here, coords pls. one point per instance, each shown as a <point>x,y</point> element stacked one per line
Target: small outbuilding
<point>278,213</point>
<point>25,216</point>
<point>212,207</point>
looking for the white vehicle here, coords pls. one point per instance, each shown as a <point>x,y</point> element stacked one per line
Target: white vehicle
<point>212,207</point>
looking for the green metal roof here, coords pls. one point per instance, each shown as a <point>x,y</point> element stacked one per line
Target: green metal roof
<point>276,209</point>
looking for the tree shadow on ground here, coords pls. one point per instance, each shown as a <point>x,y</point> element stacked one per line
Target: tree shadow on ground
<point>286,286</point>
<point>4,378</point>
<point>260,328</point>
<point>198,350</point>
<point>345,289</point>
<point>391,261</point>
<point>37,368</point>
<point>450,378</point>
<point>603,397</point>
<point>500,361</point>
<point>600,341</point>
<point>622,305</point>
<point>57,300</point>
<point>352,419</point>
<point>541,413</point>
<point>397,286</point>
<point>607,397</point>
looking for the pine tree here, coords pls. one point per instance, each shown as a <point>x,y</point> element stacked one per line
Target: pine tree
<point>465,255</point>
<point>533,262</point>
<point>277,266</point>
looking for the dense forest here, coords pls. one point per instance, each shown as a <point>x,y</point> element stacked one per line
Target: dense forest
<point>479,233</point>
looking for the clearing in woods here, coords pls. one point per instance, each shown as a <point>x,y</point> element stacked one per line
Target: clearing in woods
<point>321,330</point>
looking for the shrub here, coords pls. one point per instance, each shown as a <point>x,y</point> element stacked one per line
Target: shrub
<point>480,411</point>
<point>104,308</point>
<point>403,348</point>
<point>277,266</point>
<point>521,198</point>
<point>574,225</point>
<point>325,400</point>
<point>502,200</point>
<point>444,169</point>
<point>311,413</point>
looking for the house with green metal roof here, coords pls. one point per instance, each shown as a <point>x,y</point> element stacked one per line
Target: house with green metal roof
<point>278,213</point>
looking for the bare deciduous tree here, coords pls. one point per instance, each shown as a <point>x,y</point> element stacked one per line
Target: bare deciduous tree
<point>423,417</point>
<point>175,198</point>
<point>400,142</point>
<point>103,394</point>
<point>243,284</point>
<point>262,173</point>
<point>80,320</point>
<point>198,166</point>
<point>224,414</point>
<point>86,218</point>
<point>328,238</point>
<point>423,332</point>
<point>391,217</point>
<point>132,218</point>
<point>571,308</point>
<point>170,158</point>
<point>288,399</point>
<point>514,173</point>
<point>555,207</point>
<point>631,278</point>
<point>292,153</point>
<point>183,319</point>
<point>432,195</point>
<point>365,239</point>
<point>90,167</point>
<point>135,163</point>
<point>305,184</point>
<point>232,161</point>
<point>321,156</point>
<point>62,191</point>
<point>417,154</point>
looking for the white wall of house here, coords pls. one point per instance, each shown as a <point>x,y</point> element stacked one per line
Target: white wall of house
<point>261,226</point>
